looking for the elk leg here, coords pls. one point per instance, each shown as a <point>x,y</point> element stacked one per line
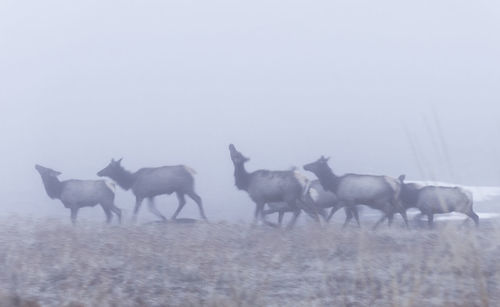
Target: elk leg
<point>154,210</point>
<point>355,213</point>
<point>390,219</point>
<point>107,207</point>
<point>348,214</point>
<point>74,214</point>
<point>265,221</point>
<point>266,212</point>
<point>258,212</point>
<point>138,203</point>
<point>332,212</point>
<point>430,220</point>
<point>296,215</point>
<point>398,207</point>
<point>118,212</point>
<point>198,201</point>
<point>474,217</point>
<point>323,214</point>
<point>308,208</point>
<point>107,211</point>
<point>281,215</point>
<point>182,202</point>
<point>348,217</point>
<point>382,219</point>
<point>405,218</point>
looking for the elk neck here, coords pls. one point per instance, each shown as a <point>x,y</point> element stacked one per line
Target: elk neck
<point>123,178</point>
<point>53,186</point>
<point>328,179</point>
<point>241,176</point>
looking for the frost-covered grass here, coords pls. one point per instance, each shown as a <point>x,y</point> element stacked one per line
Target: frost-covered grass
<point>51,263</point>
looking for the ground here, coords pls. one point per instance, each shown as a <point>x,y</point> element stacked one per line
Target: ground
<point>47,262</point>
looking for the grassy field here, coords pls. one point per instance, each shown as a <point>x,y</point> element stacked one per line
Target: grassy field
<point>50,263</point>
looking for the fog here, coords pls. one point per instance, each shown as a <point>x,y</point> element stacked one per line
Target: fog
<point>383,87</point>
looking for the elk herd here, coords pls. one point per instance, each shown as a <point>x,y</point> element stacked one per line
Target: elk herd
<point>281,191</point>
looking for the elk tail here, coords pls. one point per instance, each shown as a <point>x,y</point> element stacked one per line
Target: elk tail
<point>110,185</point>
<point>190,170</point>
<point>313,194</point>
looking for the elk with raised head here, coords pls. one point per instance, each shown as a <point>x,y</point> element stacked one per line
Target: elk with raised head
<point>377,192</point>
<point>147,183</point>
<point>75,194</point>
<point>264,187</point>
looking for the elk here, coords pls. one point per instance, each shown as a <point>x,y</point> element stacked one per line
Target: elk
<point>75,194</point>
<point>147,183</point>
<point>377,192</point>
<point>316,197</point>
<point>281,208</point>
<point>264,187</point>
<point>432,200</point>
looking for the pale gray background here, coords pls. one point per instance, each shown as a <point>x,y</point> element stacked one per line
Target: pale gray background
<point>170,82</point>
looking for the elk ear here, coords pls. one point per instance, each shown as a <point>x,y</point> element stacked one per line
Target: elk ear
<point>119,161</point>
<point>402,178</point>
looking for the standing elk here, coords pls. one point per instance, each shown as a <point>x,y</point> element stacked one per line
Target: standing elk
<point>75,194</point>
<point>264,187</point>
<point>151,182</point>
<point>377,192</point>
<point>432,200</point>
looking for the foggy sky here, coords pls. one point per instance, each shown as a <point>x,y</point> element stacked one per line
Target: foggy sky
<point>174,82</point>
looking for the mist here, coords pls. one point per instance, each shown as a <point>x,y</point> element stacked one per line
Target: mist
<point>381,87</point>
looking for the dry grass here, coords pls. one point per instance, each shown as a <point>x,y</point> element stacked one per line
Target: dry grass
<point>54,264</point>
